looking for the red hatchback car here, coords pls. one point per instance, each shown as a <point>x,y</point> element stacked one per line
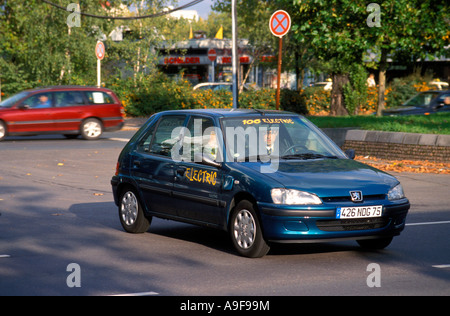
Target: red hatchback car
<point>67,110</point>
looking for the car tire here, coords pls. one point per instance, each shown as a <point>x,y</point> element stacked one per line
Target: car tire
<point>246,233</point>
<point>91,129</point>
<point>131,213</point>
<point>375,244</point>
<point>2,131</point>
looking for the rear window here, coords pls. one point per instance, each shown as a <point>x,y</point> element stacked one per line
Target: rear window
<point>99,97</point>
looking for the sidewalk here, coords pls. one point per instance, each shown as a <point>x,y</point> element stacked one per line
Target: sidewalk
<point>134,123</point>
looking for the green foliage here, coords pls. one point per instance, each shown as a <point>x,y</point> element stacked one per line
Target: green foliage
<point>157,92</point>
<point>38,48</point>
<point>293,101</point>
<point>355,92</point>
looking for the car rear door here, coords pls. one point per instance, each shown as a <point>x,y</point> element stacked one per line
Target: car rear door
<point>152,166</point>
<point>33,115</point>
<point>69,110</point>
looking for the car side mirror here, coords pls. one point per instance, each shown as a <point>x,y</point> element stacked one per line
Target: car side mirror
<point>23,107</point>
<point>350,153</point>
<point>206,160</point>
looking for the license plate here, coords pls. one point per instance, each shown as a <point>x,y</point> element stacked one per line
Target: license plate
<point>359,212</point>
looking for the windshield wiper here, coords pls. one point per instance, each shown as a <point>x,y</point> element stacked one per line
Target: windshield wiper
<point>306,156</point>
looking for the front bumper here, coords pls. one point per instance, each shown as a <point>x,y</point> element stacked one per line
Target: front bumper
<point>284,223</point>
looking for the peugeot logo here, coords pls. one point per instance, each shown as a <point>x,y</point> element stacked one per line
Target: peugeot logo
<point>356,196</point>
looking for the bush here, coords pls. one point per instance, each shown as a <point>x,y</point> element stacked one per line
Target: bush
<point>355,92</point>
<point>402,89</point>
<point>153,93</point>
<point>293,101</point>
<point>317,100</point>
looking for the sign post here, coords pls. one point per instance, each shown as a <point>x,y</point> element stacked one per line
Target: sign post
<point>212,56</point>
<point>100,53</point>
<point>280,24</point>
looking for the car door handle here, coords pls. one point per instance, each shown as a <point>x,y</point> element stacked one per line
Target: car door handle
<point>181,172</point>
<point>137,163</point>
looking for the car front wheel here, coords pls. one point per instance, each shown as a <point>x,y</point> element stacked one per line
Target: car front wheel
<point>131,213</point>
<point>2,131</point>
<point>246,232</point>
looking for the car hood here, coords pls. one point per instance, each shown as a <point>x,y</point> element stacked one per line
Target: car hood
<point>330,177</point>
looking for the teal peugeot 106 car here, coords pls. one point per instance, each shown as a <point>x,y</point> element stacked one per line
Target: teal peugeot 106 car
<point>263,176</point>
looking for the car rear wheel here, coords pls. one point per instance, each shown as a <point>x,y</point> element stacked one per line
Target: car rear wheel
<point>91,129</point>
<point>246,233</point>
<point>375,244</point>
<point>131,213</point>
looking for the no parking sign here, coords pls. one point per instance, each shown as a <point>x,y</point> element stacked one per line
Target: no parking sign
<point>280,23</point>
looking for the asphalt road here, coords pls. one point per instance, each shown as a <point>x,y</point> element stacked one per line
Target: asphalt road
<point>57,209</point>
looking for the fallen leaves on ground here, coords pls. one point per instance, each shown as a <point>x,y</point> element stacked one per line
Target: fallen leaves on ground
<point>413,166</point>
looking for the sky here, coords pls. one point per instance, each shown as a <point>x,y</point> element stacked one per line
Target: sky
<point>203,8</point>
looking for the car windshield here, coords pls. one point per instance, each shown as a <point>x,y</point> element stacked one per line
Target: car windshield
<point>252,138</point>
<point>6,104</point>
<point>422,99</point>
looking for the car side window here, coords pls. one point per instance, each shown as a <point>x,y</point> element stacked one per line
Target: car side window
<point>444,101</point>
<point>161,141</point>
<point>99,97</point>
<point>39,101</point>
<point>146,141</point>
<point>68,98</point>
<point>203,138</point>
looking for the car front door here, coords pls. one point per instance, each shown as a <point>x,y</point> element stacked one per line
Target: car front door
<point>152,166</point>
<point>197,186</point>
<point>443,103</point>
<point>33,115</point>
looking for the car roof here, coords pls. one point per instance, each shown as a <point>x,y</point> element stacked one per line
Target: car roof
<point>59,88</point>
<point>436,91</point>
<point>228,112</point>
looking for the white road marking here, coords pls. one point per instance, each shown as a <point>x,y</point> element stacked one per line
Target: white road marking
<point>5,256</point>
<point>124,140</point>
<point>442,266</point>
<point>138,294</point>
<point>428,223</point>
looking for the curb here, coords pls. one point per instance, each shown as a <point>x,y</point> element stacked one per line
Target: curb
<point>398,138</point>
<point>341,135</point>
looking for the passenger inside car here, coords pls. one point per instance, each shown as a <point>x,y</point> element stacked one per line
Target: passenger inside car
<point>211,147</point>
<point>43,102</point>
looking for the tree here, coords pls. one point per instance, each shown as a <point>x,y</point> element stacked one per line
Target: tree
<point>38,47</point>
<point>341,32</point>
<point>42,45</point>
<point>334,30</point>
<point>408,29</point>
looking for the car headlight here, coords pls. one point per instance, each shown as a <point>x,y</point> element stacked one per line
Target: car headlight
<point>294,197</point>
<point>396,193</point>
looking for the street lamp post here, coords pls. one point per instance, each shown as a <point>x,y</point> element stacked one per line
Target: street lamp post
<point>235,55</point>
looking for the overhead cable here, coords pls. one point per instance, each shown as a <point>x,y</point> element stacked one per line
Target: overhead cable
<point>149,16</point>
